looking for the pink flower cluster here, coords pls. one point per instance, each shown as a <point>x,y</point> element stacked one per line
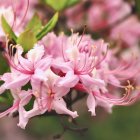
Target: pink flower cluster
<point>112,15</point>
<point>57,64</point>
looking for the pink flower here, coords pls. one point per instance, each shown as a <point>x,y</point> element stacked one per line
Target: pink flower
<point>85,66</point>
<point>53,44</point>
<point>97,14</point>
<point>51,93</point>
<point>21,98</point>
<point>25,69</point>
<point>80,63</point>
<point>105,13</point>
<point>126,33</point>
<point>35,68</point>
<point>81,56</point>
<point>48,96</point>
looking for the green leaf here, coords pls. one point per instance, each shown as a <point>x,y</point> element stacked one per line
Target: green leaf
<point>27,40</point>
<point>3,99</point>
<point>34,24</point>
<point>7,29</point>
<point>3,64</point>
<point>137,4</point>
<point>57,5</point>
<point>48,27</point>
<point>72,2</point>
<point>61,5</point>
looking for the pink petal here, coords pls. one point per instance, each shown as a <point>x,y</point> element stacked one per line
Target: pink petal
<point>63,66</point>
<point>60,107</point>
<point>35,111</point>
<point>44,63</point>
<point>36,53</point>
<point>60,91</point>
<point>25,63</point>
<point>89,82</point>
<point>91,103</point>
<point>18,81</point>
<point>104,104</point>
<point>23,120</point>
<point>70,80</point>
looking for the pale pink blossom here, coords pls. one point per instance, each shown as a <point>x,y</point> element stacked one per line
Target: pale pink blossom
<point>79,63</point>
<point>80,57</point>
<point>126,33</point>
<point>88,68</point>
<point>26,68</point>
<point>106,13</point>
<point>98,15</point>
<point>35,68</point>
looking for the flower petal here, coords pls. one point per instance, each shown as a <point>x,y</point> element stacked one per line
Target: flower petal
<point>70,80</point>
<point>104,104</point>
<point>18,81</point>
<point>63,66</point>
<point>23,120</point>
<point>36,53</point>
<point>44,63</point>
<point>60,107</point>
<point>89,82</point>
<point>35,111</point>
<point>91,103</point>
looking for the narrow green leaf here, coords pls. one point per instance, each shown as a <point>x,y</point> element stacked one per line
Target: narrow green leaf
<point>72,2</point>
<point>58,6</point>
<point>61,5</point>
<point>48,27</point>
<point>34,24</point>
<point>27,40</point>
<point>7,29</point>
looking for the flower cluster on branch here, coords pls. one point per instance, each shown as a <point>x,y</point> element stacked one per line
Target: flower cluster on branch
<point>50,66</point>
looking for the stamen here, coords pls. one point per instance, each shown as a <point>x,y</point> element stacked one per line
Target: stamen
<point>101,59</point>
<point>129,86</point>
<point>63,54</point>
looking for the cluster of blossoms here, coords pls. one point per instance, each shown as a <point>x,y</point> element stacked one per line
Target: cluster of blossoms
<point>58,64</point>
<point>114,16</point>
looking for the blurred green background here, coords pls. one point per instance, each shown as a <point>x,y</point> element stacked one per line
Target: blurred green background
<point>122,124</point>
